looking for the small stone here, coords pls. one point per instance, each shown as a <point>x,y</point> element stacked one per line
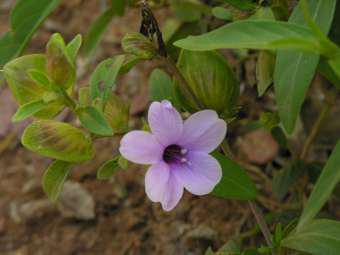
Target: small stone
<point>258,146</point>
<point>76,202</point>
<point>202,232</point>
<point>30,210</point>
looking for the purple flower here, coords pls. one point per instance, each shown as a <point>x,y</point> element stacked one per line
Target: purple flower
<point>178,153</point>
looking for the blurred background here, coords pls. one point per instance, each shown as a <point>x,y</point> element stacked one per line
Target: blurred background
<point>116,217</point>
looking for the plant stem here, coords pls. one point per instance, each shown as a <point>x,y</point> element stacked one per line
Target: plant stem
<point>315,129</point>
<point>68,100</point>
<point>253,207</point>
<point>172,68</point>
<point>261,222</point>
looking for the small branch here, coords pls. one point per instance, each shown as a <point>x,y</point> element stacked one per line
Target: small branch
<point>315,129</point>
<point>172,68</point>
<point>261,222</point>
<point>253,207</point>
<point>150,28</point>
<point>68,100</point>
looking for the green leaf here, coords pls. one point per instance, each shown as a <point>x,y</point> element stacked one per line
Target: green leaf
<point>84,96</point>
<point>26,17</point>
<point>94,120</point>
<point>335,64</point>
<point>27,110</point>
<point>40,78</point>
<point>294,71</point>
<point>189,10</point>
<point>243,5</point>
<point>60,68</point>
<point>96,31</point>
<point>222,13</point>
<point>160,86</point>
<point>104,77</point>
<point>230,248</point>
<point>73,47</point>
<point>24,88</point>
<point>326,71</point>
<point>57,140</point>
<point>319,237</point>
<point>286,178</point>
<point>235,182</point>
<point>123,162</point>
<point>329,178</point>
<point>118,6</point>
<point>264,71</point>
<point>253,34</point>
<point>116,113</point>
<point>108,169</point>
<point>54,178</point>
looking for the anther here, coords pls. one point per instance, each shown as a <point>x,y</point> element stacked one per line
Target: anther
<point>184,160</point>
<point>184,151</point>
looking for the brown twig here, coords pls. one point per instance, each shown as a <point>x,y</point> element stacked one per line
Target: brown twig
<point>261,222</point>
<point>253,207</point>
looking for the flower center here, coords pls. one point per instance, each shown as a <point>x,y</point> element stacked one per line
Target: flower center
<point>175,154</point>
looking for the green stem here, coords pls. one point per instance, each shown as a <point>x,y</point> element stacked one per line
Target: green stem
<point>172,68</point>
<point>315,129</point>
<point>68,100</point>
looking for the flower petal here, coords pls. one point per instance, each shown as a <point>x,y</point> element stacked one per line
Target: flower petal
<point>165,122</point>
<point>173,193</point>
<point>141,147</point>
<point>156,180</point>
<point>162,186</point>
<point>203,131</point>
<point>200,175</point>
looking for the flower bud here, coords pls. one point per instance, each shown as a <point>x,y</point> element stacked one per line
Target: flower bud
<point>211,80</point>
<point>59,66</point>
<point>138,45</point>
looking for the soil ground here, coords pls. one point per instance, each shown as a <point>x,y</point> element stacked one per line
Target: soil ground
<point>125,221</point>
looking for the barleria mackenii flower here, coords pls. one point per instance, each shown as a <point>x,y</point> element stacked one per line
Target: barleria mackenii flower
<point>177,151</point>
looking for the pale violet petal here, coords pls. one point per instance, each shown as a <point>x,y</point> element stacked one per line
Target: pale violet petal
<point>200,175</point>
<point>203,131</point>
<point>156,180</point>
<point>162,186</point>
<point>165,122</point>
<point>173,194</point>
<point>141,147</point>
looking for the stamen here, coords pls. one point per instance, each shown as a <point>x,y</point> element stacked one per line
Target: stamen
<point>184,160</point>
<point>175,154</point>
<point>184,151</point>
